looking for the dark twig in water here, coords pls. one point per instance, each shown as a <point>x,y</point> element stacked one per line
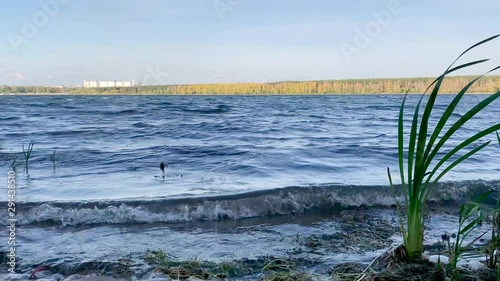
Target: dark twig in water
<point>40,268</point>
<point>363,273</point>
<point>53,159</point>
<point>162,167</point>
<point>13,165</point>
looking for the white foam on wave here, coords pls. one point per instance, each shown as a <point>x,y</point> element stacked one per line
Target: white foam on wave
<point>108,215</point>
<point>291,200</point>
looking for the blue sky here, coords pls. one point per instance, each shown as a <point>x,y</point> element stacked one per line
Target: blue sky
<point>213,41</point>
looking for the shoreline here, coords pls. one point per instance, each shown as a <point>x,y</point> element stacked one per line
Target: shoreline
<point>343,246</point>
<point>454,84</point>
<point>231,95</point>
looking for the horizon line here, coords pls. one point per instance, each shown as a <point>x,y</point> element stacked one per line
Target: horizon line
<point>250,82</point>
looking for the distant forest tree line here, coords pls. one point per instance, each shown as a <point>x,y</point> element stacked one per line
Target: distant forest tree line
<point>4,89</point>
<point>488,84</point>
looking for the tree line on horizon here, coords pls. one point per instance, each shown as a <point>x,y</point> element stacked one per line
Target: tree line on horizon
<point>488,84</point>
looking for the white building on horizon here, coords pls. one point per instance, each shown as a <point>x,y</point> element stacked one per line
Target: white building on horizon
<point>107,84</point>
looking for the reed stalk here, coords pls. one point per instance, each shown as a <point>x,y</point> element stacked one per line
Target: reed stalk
<point>27,156</point>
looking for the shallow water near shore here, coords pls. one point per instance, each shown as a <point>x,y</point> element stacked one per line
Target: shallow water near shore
<point>248,178</point>
<point>315,243</point>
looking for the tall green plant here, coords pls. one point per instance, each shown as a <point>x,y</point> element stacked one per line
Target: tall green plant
<point>423,147</point>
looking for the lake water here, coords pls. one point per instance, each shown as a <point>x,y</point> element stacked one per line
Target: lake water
<point>111,147</point>
<point>229,157</point>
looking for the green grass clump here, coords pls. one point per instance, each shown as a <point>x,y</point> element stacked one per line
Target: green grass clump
<point>289,276</point>
<point>180,270</point>
<point>492,250</point>
<point>227,269</point>
<point>424,169</point>
<point>27,156</point>
<point>470,218</point>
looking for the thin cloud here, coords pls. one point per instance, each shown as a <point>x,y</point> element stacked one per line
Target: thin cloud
<point>10,75</point>
<point>20,76</point>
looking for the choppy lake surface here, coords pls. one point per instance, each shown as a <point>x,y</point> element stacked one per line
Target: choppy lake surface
<point>229,158</point>
<point>110,147</point>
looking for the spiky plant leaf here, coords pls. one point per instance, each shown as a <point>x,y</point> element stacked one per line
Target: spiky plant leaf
<point>422,150</point>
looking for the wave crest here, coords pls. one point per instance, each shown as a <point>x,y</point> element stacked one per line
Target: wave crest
<point>284,201</point>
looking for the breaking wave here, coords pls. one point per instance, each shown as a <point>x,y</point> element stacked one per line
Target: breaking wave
<point>283,201</point>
